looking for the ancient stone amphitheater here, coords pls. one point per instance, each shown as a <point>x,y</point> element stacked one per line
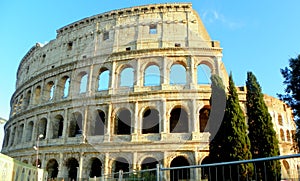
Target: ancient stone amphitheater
<point>125,89</point>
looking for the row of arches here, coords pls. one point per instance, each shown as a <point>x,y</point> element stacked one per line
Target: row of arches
<point>286,135</point>
<point>122,123</point>
<point>153,76</point>
<point>96,168</point>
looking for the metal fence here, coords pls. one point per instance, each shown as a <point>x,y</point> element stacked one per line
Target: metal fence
<point>225,171</point>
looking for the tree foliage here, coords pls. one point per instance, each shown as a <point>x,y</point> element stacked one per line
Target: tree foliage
<point>291,97</point>
<point>261,132</point>
<point>231,142</point>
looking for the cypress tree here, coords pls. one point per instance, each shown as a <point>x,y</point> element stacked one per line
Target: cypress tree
<point>231,142</point>
<point>261,132</point>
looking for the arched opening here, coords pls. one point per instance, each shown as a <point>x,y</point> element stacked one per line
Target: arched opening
<point>7,137</point>
<point>180,174</point>
<point>205,170</point>
<point>127,77</point>
<point>280,122</point>
<point>83,83</point>
<point>52,169</point>
<point>99,123</point>
<point>96,168</point>
<point>152,76</point>
<point>72,165</point>
<point>37,95</point>
<point>57,126</point>
<point>20,103</point>
<point>121,164</point>
<point>20,133</point>
<point>178,75</point>
<point>12,141</point>
<point>286,167</point>
<point>288,136</point>
<point>203,74</point>
<point>27,99</point>
<point>25,161</point>
<point>203,118</point>
<point>75,128</point>
<point>149,163</point>
<point>66,81</point>
<point>123,122</point>
<point>103,82</point>
<point>42,128</point>
<point>37,162</point>
<point>29,131</point>
<point>49,91</point>
<point>282,135</point>
<point>179,122</point>
<point>150,121</point>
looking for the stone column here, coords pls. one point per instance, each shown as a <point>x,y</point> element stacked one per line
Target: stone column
<point>165,75</point>
<point>81,170</point>
<point>65,128</point>
<point>49,131</point>
<point>194,121</point>
<point>85,123</point>
<point>62,170</point>
<point>108,124</point>
<point>113,78</point>
<point>107,167</point>
<point>192,73</point>
<point>135,123</point>
<point>163,120</point>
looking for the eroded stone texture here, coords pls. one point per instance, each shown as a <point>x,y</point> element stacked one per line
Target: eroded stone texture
<point>127,87</point>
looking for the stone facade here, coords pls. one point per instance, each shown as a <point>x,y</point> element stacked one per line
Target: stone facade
<point>120,90</point>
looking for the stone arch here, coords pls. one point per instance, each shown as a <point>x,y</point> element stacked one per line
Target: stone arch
<point>42,128</point>
<point>120,163</point>
<point>37,163</point>
<point>180,174</point>
<point>37,94</point>
<point>27,99</point>
<point>99,123</point>
<point>126,76</point>
<point>20,133</point>
<point>148,163</point>
<point>83,82</point>
<point>203,118</point>
<point>205,170</point>
<point>7,137</point>
<point>122,124</point>
<point>76,124</point>
<point>280,121</point>
<point>95,167</point>
<point>49,91</point>
<point>150,121</point>
<point>64,86</point>
<point>72,165</point>
<point>52,168</point>
<point>29,131</point>
<point>152,75</point>
<point>103,79</point>
<point>288,135</point>
<point>286,167</point>
<point>57,126</point>
<point>175,70</point>
<point>282,135</point>
<point>204,72</point>
<point>179,120</point>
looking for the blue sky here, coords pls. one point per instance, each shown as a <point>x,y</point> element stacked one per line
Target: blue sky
<point>258,36</point>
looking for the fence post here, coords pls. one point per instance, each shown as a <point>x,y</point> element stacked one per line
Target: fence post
<point>157,172</point>
<point>120,175</point>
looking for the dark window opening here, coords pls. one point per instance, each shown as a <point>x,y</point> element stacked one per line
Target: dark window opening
<point>177,45</point>
<point>150,121</point>
<point>99,123</point>
<point>128,48</point>
<point>70,45</point>
<point>72,165</point>
<point>180,174</point>
<point>105,35</point>
<point>123,123</point>
<point>153,29</point>
<point>95,168</point>
<point>121,164</point>
<point>42,128</point>
<point>179,121</point>
<point>75,127</point>
<point>203,118</point>
<point>52,169</point>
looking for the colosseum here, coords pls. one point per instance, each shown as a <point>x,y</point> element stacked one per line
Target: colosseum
<point>124,89</point>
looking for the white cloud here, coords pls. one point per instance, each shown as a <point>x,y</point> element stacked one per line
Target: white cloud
<point>214,17</point>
